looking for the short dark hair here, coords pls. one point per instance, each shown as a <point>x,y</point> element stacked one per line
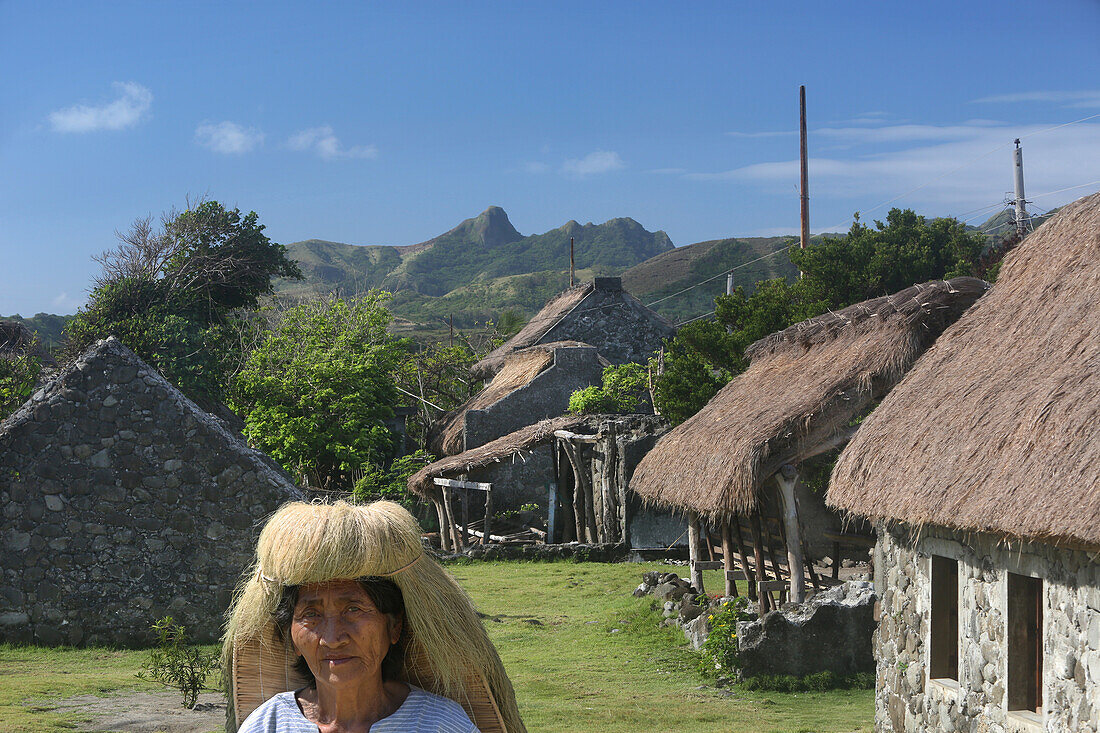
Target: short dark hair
<point>386,597</point>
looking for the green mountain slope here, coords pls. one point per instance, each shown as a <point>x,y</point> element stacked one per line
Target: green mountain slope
<point>476,270</point>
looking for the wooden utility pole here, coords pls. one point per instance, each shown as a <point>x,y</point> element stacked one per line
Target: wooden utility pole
<point>1021,203</point>
<point>787,477</point>
<point>729,283</point>
<point>571,265</point>
<point>805,193</point>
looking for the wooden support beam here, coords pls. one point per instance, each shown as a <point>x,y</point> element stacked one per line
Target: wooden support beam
<point>758,555</point>
<point>551,512</point>
<point>693,552</point>
<point>576,437</point>
<point>727,558</point>
<point>444,535</point>
<point>449,512</point>
<point>452,483</point>
<point>487,525</point>
<point>787,477</point>
<point>465,515</point>
<point>750,576</point>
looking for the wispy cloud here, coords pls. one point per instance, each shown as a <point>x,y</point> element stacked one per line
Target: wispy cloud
<point>1084,99</point>
<point>228,138</point>
<point>953,167</point>
<point>533,166</point>
<point>63,303</point>
<point>600,161</point>
<point>768,133</point>
<point>126,110</point>
<point>323,141</point>
<point>667,171</point>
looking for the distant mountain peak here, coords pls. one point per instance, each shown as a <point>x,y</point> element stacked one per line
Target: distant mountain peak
<point>492,227</point>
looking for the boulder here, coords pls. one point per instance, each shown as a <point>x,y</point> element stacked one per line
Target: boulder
<point>829,632</point>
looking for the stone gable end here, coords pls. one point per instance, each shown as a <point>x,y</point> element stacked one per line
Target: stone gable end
<point>121,501</point>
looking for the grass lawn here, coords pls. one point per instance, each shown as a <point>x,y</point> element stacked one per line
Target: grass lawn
<point>554,626</point>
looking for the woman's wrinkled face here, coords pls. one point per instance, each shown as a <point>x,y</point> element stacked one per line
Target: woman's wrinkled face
<point>340,633</point>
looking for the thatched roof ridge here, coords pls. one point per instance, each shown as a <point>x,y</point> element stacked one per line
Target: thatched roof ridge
<point>802,389</point>
<point>518,369</point>
<point>492,452</point>
<point>995,430</point>
<point>555,309</point>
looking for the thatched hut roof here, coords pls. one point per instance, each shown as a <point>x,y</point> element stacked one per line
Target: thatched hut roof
<point>492,452</point>
<point>16,340</point>
<point>802,390</point>
<point>996,429</point>
<point>517,371</point>
<point>555,309</point>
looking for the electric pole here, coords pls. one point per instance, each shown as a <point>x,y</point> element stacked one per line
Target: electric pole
<point>805,194</point>
<point>1021,212</point>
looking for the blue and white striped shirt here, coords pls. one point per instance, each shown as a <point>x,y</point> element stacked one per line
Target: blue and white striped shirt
<point>422,712</point>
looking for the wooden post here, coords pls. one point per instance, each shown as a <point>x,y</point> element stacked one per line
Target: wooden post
<point>805,194</point>
<point>568,519</point>
<point>444,535</point>
<point>727,558</point>
<point>787,477</point>
<point>487,527</point>
<point>551,512</point>
<point>758,556</point>
<point>449,511</point>
<point>750,576</point>
<point>693,551</point>
<point>591,531</point>
<point>466,536</point>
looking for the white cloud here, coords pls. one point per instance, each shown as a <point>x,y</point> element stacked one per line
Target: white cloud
<point>1085,99</point>
<point>948,168</point>
<point>601,161</point>
<point>62,303</point>
<point>127,110</point>
<point>323,141</point>
<point>228,138</point>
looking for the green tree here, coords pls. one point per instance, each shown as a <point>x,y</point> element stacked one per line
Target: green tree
<point>316,391</point>
<point>622,391</point>
<point>171,293</point>
<point>19,372</point>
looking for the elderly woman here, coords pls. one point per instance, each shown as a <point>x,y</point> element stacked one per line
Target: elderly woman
<point>380,637</point>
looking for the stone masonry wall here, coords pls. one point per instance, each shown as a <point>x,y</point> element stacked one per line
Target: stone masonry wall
<point>121,502</point>
<point>906,700</point>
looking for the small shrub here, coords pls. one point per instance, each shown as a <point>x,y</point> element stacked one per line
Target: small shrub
<point>392,483</point>
<point>719,652</point>
<point>622,392</point>
<point>177,663</point>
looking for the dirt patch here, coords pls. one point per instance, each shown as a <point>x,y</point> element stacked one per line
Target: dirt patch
<point>142,712</point>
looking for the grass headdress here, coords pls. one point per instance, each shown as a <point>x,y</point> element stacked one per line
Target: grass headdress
<point>315,543</point>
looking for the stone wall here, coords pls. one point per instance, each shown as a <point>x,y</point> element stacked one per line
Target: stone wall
<point>123,502</point>
<point>615,322</point>
<point>906,700</point>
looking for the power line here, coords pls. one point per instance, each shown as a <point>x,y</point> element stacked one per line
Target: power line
<point>723,273</point>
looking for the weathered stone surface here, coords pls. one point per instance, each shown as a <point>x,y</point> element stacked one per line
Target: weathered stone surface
<point>99,530</point>
<point>829,632</point>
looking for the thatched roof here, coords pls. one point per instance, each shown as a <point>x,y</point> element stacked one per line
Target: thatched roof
<point>802,390</point>
<point>555,309</point>
<point>492,452</point>
<point>517,371</point>
<point>16,340</point>
<point>996,429</point>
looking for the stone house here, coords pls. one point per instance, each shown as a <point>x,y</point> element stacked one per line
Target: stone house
<point>532,384</point>
<point>588,459</point>
<point>982,471</point>
<point>801,396</point>
<point>121,501</point>
<point>599,313</point>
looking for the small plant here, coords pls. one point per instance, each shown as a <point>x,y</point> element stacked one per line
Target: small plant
<point>177,663</point>
<point>529,507</point>
<point>622,392</point>
<point>719,653</point>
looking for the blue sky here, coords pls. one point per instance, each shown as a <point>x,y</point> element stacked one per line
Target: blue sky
<point>388,123</point>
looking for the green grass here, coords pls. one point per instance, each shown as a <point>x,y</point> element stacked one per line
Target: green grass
<point>552,623</point>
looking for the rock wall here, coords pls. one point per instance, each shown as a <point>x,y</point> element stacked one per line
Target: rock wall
<point>615,322</point>
<point>123,502</point>
<point>906,700</point>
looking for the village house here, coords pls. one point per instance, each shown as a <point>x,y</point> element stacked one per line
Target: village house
<point>123,502</point>
<point>733,467</point>
<point>599,313</point>
<point>982,472</point>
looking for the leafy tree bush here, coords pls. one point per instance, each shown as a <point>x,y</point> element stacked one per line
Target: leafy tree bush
<point>170,293</point>
<point>177,663</point>
<point>390,483</point>
<point>18,376</point>
<point>315,392</point>
<point>622,392</point>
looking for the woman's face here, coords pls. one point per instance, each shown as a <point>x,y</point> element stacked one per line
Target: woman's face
<point>340,633</point>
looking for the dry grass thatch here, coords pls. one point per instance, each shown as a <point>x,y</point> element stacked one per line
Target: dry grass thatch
<point>555,309</point>
<point>996,429</point>
<point>492,452</point>
<point>802,390</point>
<point>519,369</point>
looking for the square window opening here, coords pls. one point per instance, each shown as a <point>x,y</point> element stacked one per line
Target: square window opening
<point>943,662</point>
